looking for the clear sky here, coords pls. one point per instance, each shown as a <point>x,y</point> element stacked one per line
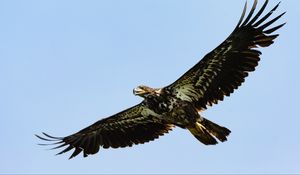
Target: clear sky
<point>68,63</point>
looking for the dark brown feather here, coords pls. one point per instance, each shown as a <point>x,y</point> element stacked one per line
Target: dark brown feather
<point>224,69</point>
<point>121,130</point>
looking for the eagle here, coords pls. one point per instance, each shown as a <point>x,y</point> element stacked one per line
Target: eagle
<point>180,104</point>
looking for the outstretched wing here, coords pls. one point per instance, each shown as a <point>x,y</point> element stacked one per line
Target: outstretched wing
<point>225,68</point>
<point>132,126</point>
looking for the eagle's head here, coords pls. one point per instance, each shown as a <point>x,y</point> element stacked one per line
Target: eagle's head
<point>145,91</point>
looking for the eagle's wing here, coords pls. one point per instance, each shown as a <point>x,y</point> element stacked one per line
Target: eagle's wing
<point>133,126</point>
<point>225,68</point>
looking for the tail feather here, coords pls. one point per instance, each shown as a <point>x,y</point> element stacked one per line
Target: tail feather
<point>202,134</point>
<point>206,130</point>
<point>219,132</point>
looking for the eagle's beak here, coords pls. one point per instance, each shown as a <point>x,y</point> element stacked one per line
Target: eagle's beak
<point>138,91</point>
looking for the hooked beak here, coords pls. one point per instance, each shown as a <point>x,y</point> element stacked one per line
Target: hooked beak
<point>138,91</point>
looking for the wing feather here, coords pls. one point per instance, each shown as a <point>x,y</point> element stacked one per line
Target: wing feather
<point>224,69</point>
<point>132,126</point>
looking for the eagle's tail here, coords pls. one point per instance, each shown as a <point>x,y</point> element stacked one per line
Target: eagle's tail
<point>205,130</point>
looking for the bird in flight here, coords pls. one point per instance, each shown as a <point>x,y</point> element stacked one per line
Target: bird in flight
<point>180,104</point>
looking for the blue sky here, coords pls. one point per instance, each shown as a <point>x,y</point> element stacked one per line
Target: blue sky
<point>66,64</point>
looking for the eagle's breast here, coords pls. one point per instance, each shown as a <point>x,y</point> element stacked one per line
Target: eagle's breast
<point>161,103</point>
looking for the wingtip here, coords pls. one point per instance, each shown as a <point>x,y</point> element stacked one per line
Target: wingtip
<point>250,13</point>
<point>276,6</point>
<point>242,16</point>
<point>52,137</point>
<point>279,3</point>
<point>43,138</point>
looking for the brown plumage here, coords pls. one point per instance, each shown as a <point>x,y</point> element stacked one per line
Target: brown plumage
<point>217,75</point>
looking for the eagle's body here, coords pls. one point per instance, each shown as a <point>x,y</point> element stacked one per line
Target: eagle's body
<point>170,109</point>
<point>167,108</point>
<point>217,75</point>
